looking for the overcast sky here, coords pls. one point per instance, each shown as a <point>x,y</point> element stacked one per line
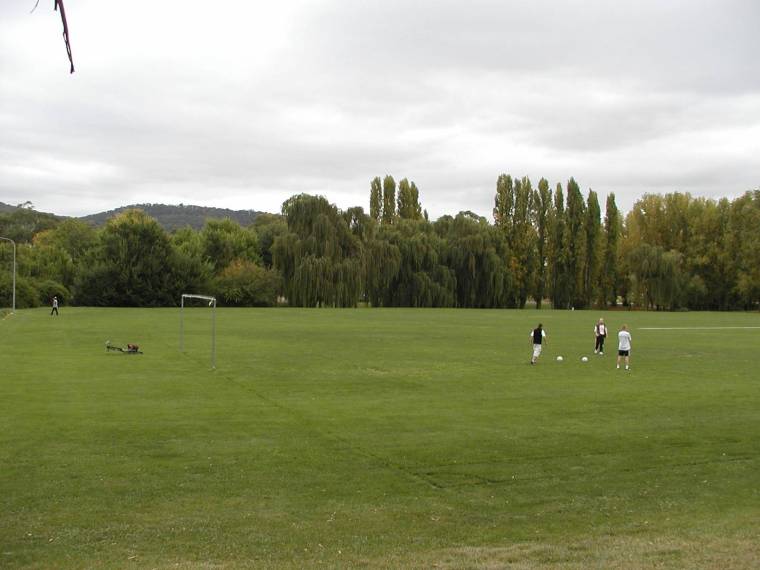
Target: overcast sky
<point>241,104</point>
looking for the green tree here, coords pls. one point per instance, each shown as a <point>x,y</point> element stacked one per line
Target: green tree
<point>389,200</point>
<point>542,216</point>
<point>575,243</point>
<point>477,253</point>
<point>416,275</point>
<point>512,215</point>
<point>610,256</point>
<point>745,242</point>
<point>132,265</point>
<point>557,253</point>
<point>320,258</point>
<point>504,201</point>
<point>59,252</point>
<point>656,277</point>
<point>244,284</point>
<point>375,199</point>
<point>225,240</point>
<point>408,201</point>
<point>267,227</point>
<point>23,223</point>
<point>192,272</point>
<point>593,230</point>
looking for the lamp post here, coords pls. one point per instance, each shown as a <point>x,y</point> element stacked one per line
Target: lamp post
<point>14,270</point>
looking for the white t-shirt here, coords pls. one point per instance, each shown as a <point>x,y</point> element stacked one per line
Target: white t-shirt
<point>624,340</point>
<point>600,330</point>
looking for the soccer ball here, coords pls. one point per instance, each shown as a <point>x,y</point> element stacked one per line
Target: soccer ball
<point>584,359</point>
<point>560,359</point>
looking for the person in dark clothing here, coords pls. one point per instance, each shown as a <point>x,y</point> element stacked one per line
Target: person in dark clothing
<point>600,334</point>
<point>538,339</point>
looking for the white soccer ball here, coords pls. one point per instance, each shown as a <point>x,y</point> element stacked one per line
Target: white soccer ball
<point>560,359</point>
<point>584,359</point>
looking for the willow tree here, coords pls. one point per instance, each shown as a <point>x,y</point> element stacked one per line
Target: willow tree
<point>656,277</point>
<point>412,267</point>
<point>477,252</point>
<point>320,258</point>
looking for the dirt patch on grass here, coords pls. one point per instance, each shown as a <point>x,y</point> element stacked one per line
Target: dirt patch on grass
<point>608,553</point>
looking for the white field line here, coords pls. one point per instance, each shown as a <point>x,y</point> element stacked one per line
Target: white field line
<point>691,328</point>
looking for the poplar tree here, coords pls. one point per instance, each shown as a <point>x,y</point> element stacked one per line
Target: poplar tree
<point>375,199</point>
<point>541,216</point>
<point>389,200</point>
<point>610,252</point>
<point>522,241</point>
<point>558,253</point>
<point>593,230</point>
<point>504,201</point>
<point>408,201</point>
<point>575,243</point>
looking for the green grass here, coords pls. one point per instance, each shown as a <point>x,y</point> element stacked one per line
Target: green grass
<point>377,439</point>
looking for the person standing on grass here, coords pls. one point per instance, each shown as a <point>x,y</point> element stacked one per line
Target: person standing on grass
<point>538,338</point>
<point>624,346</point>
<point>600,333</point>
<point>54,310</point>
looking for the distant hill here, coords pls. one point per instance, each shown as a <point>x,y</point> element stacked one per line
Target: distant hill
<point>174,217</point>
<point>169,217</point>
<point>8,208</point>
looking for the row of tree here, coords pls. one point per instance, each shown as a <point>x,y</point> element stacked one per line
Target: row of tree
<point>669,252</point>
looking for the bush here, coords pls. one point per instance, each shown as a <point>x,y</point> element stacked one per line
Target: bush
<point>48,288</point>
<point>244,284</point>
<point>27,294</point>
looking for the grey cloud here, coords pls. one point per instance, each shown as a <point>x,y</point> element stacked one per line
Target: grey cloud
<point>447,93</point>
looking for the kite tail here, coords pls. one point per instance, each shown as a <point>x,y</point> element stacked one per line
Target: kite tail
<point>65,32</point>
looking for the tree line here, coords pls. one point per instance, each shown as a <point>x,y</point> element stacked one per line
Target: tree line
<point>541,246</point>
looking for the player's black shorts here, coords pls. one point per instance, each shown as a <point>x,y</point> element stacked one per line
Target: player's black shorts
<point>623,352</point>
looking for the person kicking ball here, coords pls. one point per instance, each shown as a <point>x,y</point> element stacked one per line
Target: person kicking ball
<point>538,338</point>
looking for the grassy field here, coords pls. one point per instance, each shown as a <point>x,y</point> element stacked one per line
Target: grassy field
<point>377,439</point>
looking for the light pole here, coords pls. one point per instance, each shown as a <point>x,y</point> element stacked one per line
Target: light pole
<point>14,270</point>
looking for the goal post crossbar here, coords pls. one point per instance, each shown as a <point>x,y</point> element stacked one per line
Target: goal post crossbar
<point>211,303</point>
<point>194,296</point>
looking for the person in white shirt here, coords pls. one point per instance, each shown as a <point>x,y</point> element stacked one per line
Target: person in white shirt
<point>600,333</point>
<point>537,338</point>
<point>624,346</point>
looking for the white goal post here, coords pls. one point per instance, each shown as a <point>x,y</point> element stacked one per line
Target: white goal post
<point>212,304</point>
